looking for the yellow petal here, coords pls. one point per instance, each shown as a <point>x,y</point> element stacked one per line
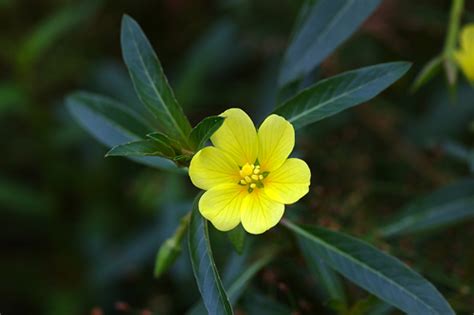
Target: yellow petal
<point>276,141</point>
<point>467,38</point>
<point>288,183</point>
<point>259,213</point>
<point>222,204</point>
<point>466,63</point>
<point>237,136</point>
<point>211,167</point>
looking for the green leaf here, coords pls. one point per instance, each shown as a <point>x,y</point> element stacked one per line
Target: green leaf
<point>52,28</point>
<point>444,207</point>
<point>238,286</point>
<point>430,70</point>
<point>121,117</point>
<point>112,123</point>
<point>331,96</point>
<point>150,82</point>
<point>204,130</point>
<point>141,148</point>
<point>205,271</point>
<point>328,280</point>
<point>164,139</point>
<point>382,275</point>
<point>237,238</point>
<point>326,24</point>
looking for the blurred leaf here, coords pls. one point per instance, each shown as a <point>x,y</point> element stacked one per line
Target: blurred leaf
<point>333,95</point>
<point>382,275</point>
<point>256,303</point>
<point>205,271</point>
<point>50,30</point>
<point>446,116</point>
<point>327,24</point>
<point>150,82</point>
<point>459,152</point>
<point>328,280</point>
<point>444,207</point>
<point>430,70</point>
<point>12,97</point>
<point>142,148</point>
<point>237,288</point>
<point>204,130</point>
<point>218,43</point>
<point>22,199</point>
<point>112,123</point>
<point>381,308</point>
<point>122,117</point>
<point>237,238</point>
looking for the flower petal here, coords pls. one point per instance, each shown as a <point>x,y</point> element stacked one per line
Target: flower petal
<point>466,62</point>
<point>211,167</point>
<point>222,205</point>
<point>288,183</point>
<point>467,38</point>
<point>276,141</point>
<point>259,213</point>
<point>237,136</point>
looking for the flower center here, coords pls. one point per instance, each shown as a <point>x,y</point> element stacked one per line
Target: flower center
<point>252,176</point>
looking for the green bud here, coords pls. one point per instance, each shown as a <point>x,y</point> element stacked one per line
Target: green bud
<point>167,255</point>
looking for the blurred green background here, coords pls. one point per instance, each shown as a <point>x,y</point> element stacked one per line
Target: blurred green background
<point>79,232</point>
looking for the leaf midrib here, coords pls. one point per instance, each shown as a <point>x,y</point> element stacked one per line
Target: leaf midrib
<point>306,112</point>
<point>367,267</point>
<point>175,123</point>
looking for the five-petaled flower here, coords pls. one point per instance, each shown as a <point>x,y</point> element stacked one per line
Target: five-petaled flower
<point>465,55</point>
<point>247,174</point>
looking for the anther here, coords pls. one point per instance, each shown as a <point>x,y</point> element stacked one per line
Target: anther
<point>260,177</point>
<point>243,182</point>
<point>253,185</point>
<point>247,179</point>
<point>255,177</point>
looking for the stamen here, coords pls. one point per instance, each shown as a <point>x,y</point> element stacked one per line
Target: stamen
<point>252,177</point>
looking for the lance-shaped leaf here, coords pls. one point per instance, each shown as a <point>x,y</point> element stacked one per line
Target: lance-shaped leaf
<point>237,288</point>
<point>333,95</point>
<point>142,148</point>
<point>320,29</point>
<point>328,280</point>
<point>115,113</point>
<point>205,271</point>
<point>112,123</point>
<point>447,206</point>
<point>382,275</point>
<point>150,82</point>
<point>204,130</point>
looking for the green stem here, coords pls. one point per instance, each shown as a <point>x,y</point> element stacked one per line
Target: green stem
<point>453,27</point>
<point>182,228</point>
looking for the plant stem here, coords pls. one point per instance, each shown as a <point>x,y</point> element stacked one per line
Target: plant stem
<point>453,27</point>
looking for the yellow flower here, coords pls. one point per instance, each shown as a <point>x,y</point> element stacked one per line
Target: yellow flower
<point>247,174</point>
<point>465,55</point>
